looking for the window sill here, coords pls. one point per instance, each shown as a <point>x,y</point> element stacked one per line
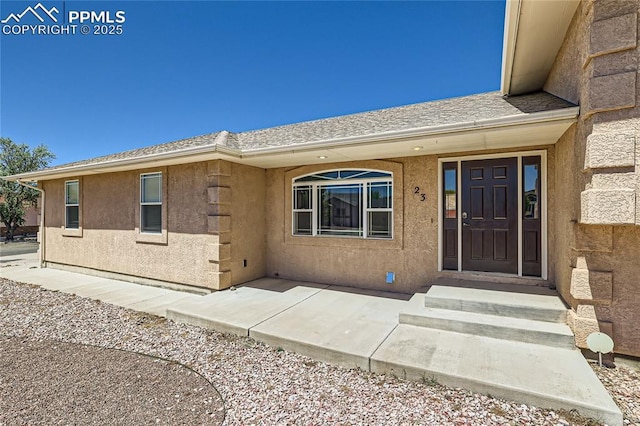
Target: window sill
<point>344,241</point>
<point>72,232</point>
<point>350,237</point>
<point>151,238</point>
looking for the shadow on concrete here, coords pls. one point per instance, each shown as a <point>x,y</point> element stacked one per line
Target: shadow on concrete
<point>282,285</point>
<point>488,285</point>
<point>15,248</point>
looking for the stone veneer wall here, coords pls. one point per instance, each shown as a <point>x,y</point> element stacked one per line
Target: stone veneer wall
<point>219,222</point>
<point>597,67</point>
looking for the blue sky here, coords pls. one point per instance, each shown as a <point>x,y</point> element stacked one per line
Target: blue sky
<point>181,69</point>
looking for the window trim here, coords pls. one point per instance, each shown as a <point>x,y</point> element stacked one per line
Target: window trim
<point>389,210</point>
<point>67,204</point>
<point>151,203</point>
<point>72,232</point>
<point>136,197</point>
<point>364,184</point>
<point>299,210</point>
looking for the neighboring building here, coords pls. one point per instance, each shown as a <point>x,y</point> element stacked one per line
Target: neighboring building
<point>31,223</point>
<point>522,182</point>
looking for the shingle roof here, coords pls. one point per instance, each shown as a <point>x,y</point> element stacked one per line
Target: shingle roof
<point>202,140</point>
<point>422,115</point>
<point>447,111</point>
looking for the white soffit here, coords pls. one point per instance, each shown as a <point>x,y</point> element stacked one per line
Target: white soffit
<point>533,34</point>
<point>527,135</point>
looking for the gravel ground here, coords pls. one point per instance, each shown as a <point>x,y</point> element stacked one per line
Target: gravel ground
<point>264,385</point>
<point>133,389</point>
<point>623,383</point>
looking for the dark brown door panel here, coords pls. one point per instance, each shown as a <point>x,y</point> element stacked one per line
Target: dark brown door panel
<point>490,215</point>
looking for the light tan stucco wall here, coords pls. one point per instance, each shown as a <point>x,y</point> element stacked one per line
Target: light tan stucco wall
<point>108,240</point>
<point>248,239</point>
<point>413,253</point>
<point>567,209</point>
<point>598,162</point>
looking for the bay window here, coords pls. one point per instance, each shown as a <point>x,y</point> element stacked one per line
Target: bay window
<point>346,203</point>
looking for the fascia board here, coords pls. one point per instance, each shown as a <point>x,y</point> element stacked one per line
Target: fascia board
<point>511,21</point>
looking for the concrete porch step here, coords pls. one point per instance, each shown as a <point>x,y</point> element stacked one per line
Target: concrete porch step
<point>499,303</point>
<point>488,280</point>
<point>506,328</point>
<point>539,375</point>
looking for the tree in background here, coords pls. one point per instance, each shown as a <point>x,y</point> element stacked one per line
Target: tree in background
<point>15,159</point>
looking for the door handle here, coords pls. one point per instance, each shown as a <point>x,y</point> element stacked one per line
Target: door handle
<point>465,224</point>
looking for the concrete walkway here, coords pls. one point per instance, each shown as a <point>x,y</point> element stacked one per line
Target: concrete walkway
<point>24,268</point>
<point>355,328</point>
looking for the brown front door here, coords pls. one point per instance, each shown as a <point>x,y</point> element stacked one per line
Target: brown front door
<point>490,215</point>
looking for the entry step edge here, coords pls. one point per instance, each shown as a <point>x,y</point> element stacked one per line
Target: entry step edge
<point>471,278</point>
<point>498,327</point>
<point>504,304</point>
<point>500,368</point>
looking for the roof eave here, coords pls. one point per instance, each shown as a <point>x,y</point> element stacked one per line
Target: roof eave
<point>507,134</point>
<point>151,160</point>
<point>252,156</point>
<point>533,35</point>
<point>477,125</point>
<point>512,15</point>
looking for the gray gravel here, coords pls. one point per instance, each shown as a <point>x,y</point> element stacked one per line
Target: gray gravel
<point>623,383</point>
<point>260,384</point>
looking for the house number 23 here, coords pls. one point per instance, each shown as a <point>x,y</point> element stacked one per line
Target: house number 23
<point>421,195</point>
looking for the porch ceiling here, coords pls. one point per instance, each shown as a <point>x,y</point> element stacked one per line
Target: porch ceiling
<point>462,140</point>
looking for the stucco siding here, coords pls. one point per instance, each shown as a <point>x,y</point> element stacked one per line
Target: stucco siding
<point>566,79</point>
<point>625,304</point>
<point>598,163</point>
<point>566,211</point>
<point>413,252</point>
<point>355,261</point>
<point>248,239</point>
<point>109,240</point>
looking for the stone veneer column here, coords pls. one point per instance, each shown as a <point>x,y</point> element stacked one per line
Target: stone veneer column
<point>219,222</point>
<point>591,289</point>
<point>611,160</point>
<point>611,69</point>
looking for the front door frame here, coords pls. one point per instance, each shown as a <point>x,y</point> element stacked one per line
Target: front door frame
<point>543,189</point>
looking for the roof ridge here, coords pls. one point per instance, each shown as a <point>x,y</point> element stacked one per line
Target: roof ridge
<point>227,139</point>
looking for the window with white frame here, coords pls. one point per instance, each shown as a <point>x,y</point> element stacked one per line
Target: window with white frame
<point>348,203</point>
<point>151,202</point>
<point>72,204</point>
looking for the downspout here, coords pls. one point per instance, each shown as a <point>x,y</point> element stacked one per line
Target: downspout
<point>42,228</point>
